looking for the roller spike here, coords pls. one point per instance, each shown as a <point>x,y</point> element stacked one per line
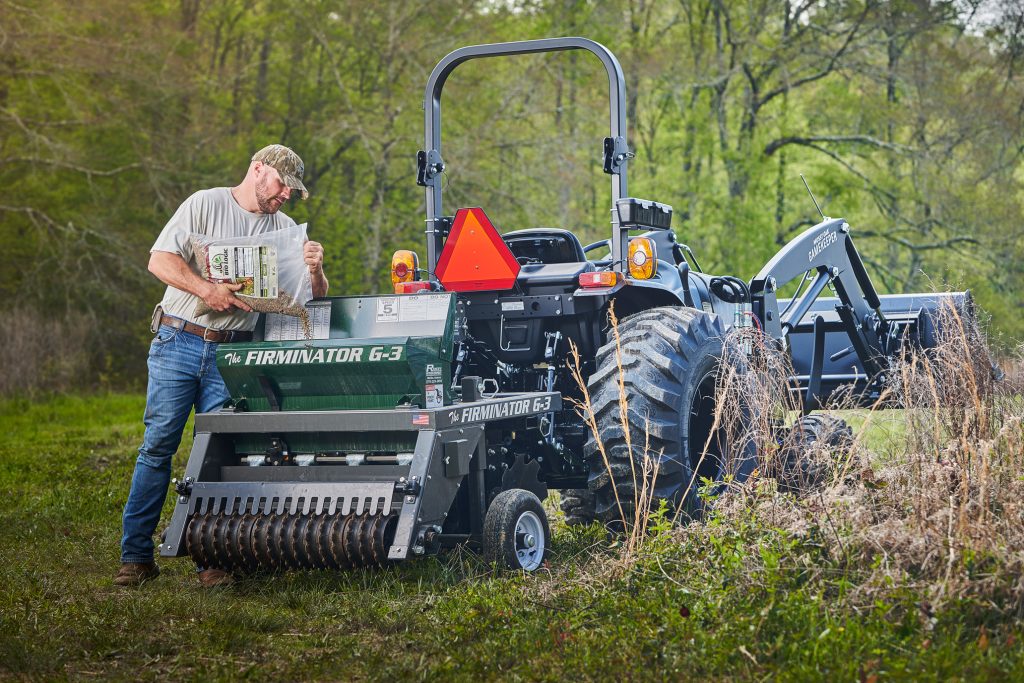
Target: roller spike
<point>353,540</point>
<point>231,543</point>
<point>366,542</point>
<point>261,542</point>
<point>205,524</point>
<point>293,549</point>
<point>331,530</point>
<point>297,541</point>
<point>335,541</point>
<point>208,543</point>
<point>280,543</point>
<point>316,539</point>
<point>341,553</point>
<point>350,541</point>
<point>370,542</point>
<point>277,524</point>
<point>211,544</point>
<point>243,541</point>
<point>309,542</point>
<point>320,541</point>
<point>193,536</point>
<point>312,542</point>
<point>345,548</point>
<point>221,541</point>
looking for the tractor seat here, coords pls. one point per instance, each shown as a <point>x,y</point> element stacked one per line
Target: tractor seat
<point>545,245</point>
<point>534,277</point>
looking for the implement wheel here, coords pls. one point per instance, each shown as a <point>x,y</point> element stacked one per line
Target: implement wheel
<point>516,534</point>
<point>812,449</point>
<point>670,359</point>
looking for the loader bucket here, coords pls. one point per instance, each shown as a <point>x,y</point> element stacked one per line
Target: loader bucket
<point>919,319</point>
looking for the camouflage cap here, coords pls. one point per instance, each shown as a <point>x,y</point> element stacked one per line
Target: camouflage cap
<point>287,163</point>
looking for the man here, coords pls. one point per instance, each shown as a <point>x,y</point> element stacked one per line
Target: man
<point>182,358</point>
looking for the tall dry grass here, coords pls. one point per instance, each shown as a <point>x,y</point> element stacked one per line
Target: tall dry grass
<point>940,508</point>
<point>635,513</point>
<point>41,352</point>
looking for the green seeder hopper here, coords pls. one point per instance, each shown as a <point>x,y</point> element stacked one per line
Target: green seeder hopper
<point>379,353</point>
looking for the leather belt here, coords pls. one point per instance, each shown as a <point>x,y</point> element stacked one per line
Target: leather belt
<point>208,334</point>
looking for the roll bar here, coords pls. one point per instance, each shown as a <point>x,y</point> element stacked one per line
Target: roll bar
<point>431,164</point>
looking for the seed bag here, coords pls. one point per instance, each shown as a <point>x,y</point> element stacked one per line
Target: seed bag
<point>270,267</point>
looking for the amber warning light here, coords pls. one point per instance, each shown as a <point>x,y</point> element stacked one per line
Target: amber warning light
<point>404,267</point>
<point>475,258</point>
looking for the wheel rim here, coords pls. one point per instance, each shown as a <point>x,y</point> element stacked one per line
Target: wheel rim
<point>702,421</point>
<point>529,541</point>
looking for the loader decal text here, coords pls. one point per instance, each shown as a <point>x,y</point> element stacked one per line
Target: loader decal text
<point>820,242</point>
<point>343,354</point>
<point>498,411</point>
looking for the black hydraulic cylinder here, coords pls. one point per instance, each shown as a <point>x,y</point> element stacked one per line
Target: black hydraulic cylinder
<point>804,304</point>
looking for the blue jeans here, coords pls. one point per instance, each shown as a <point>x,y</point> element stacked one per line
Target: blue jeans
<point>182,374</point>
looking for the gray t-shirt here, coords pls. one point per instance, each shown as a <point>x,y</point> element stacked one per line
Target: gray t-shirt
<point>215,213</point>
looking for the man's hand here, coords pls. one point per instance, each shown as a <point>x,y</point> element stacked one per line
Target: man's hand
<point>172,270</point>
<point>313,254</point>
<point>222,297</point>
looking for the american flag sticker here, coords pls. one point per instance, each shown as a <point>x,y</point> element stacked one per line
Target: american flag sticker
<point>421,419</point>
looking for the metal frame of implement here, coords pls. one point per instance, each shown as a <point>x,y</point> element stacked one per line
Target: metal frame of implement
<point>450,450</point>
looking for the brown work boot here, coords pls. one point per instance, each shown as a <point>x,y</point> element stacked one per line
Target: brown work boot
<point>136,573</point>
<point>214,578</point>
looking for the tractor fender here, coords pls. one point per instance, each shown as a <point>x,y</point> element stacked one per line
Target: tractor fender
<point>664,289</point>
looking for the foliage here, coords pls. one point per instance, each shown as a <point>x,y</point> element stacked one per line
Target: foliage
<point>738,597</point>
<point>906,118</point>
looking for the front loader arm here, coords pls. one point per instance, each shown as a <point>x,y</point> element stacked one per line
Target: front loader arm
<point>827,251</point>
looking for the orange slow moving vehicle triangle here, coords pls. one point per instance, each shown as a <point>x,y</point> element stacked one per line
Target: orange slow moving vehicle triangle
<point>475,258</point>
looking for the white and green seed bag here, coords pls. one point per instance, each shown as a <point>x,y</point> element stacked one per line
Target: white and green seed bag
<point>270,267</point>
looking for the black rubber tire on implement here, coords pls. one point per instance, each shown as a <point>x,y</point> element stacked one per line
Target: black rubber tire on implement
<point>811,450</point>
<point>578,506</point>
<point>670,360</point>
<point>511,516</point>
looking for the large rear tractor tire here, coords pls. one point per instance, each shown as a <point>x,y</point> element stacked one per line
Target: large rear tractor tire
<point>670,359</point>
<point>812,449</point>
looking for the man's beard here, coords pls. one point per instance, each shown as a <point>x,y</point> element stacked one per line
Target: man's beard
<point>264,200</point>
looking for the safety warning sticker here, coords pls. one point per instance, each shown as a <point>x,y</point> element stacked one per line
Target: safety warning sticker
<point>387,309</point>
<point>420,307</point>
<point>289,328</point>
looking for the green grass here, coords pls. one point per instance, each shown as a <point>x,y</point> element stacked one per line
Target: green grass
<point>734,600</point>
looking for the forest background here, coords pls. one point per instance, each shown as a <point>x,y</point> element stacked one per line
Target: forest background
<point>907,118</point>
